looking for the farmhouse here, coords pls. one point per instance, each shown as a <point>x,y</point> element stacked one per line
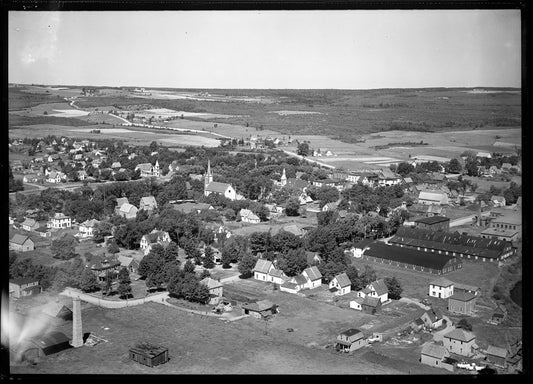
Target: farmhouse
<point>454,244</point>
<point>21,243</point>
<point>215,289</point>
<point>463,303</point>
<point>23,286</point>
<point>433,223</point>
<point>148,354</point>
<point>340,284</point>
<point>260,309</point>
<point>248,216</point>
<point>350,340</point>
<point>127,211</point>
<point>441,288</point>
<point>87,227</point>
<point>432,197</point>
<point>60,221</point>
<point>149,170</point>
<point>460,342</point>
<point>148,203</point>
<point>411,259</point>
<point>435,355</point>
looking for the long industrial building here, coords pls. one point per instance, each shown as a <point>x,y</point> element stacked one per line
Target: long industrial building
<point>453,244</point>
<point>408,258</point>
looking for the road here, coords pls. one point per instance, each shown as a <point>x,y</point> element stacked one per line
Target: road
<point>307,159</point>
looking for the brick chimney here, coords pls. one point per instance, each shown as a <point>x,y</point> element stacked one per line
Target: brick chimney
<point>77,333</point>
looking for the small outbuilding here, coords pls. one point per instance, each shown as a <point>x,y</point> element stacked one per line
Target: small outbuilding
<point>496,356</point>
<point>39,346</point>
<point>435,355</point>
<point>149,354</point>
<point>260,309</point>
<point>350,340</point>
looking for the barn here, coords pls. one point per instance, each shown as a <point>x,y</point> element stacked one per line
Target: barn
<point>39,346</point>
<point>408,258</point>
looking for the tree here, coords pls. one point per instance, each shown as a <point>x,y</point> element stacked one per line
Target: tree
<point>303,149</point>
<point>208,258</point>
<point>464,324</point>
<point>471,166</point>
<point>89,282</point>
<point>293,262</point>
<point>283,241</point>
<point>187,286</point>
<point>124,283</point>
<point>353,275</point>
<point>292,207</point>
<point>246,265</point>
<point>394,287</point>
<point>368,275</point>
<point>189,266</point>
<point>64,247</point>
<point>404,168</point>
<point>454,166</point>
<point>113,247</point>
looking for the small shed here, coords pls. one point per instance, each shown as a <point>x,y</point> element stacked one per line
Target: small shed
<point>149,354</point>
<point>260,309</point>
<point>496,355</point>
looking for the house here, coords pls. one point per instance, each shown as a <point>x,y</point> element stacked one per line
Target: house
<point>497,316</point>
<point>435,355</point>
<point>260,309</point>
<point>215,289</point>
<point>116,164</point>
<point>432,197</point>
<point>82,175</point>
<point>432,319</point>
<point>496,356</point>
<point>497,201</point>
<point>350,340</point>
<point>148,170</point>
<point>435,210</point>
<point>357,303</point>
<point>127,211</point>
<point>265,270</point>
<point>274,210</point>
<point>120,201</point>
<point>248,216</point>
<point>441,288</point>
<point>460,342</point>
<point>87,227</point>
<point>149,354</point>
<point>60,221</point>
<point>371,305</point>
<point>313,258</point>
<point>313,276</point>
<point>329,207</point>
<point>23,286</point>
<point>357,249</point>
<point>174,166</point>
<point>433,223</point>
<point>377,289</point>
<point>340,284</point>
<point>506,166</point>
<point>105,267</point>
<point>147,203</point>
<point>486,155</point>
<point>417,324</point>
<point>30,224</point>
<point>458,287</point>
<point>44,231</point>
<point>462,302</point>
<point>129,263</point>
<point>154,237</point>
<point>55,177</point>
<point>21,243</point>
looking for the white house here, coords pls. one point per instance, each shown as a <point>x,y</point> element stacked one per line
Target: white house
<point>313,276</point>
<point>265,270</point>
<point>441,288</point>
<point>497,201</point>
<point>55,177</point>
<point>432,197</point>
<point>248,216</point>
<point>60,221</point>
<point>377,289</point>
<point>294,285</point>
<point>87,227</point>
<point>215,289</point>
<point>340,284</point>
<point>148,203</point>
<point>148,170</point>
<point>154,237</point>
<point>357,303</point>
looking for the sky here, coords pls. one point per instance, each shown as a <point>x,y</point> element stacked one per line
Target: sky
<point>349,49</point>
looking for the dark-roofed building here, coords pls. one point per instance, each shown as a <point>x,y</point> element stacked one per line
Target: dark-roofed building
<point>454,244</point>
<point>38,346</point>
<point>350,340</point>
<point>149,354</point>
<point>460,342</point>
<point>223,189</point>
<point>105,267</point>
<point>407,258</point>
<point>371,304</point>
<point>462,302</point>
<point>433,223</point>
<point>432,318</point>
<point>340,284</point>
<point>24,286</point>
<point>260,309</point>
<point>21,243</point>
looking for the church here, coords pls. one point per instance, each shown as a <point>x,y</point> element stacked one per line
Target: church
<point>211,186</point>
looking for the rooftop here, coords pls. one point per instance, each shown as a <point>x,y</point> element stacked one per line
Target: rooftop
<point>148,349</point>
<point>432,220</point>
<point>460,334</point>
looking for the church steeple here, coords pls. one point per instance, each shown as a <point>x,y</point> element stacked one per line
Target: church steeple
<point>208,176</point>
<point>283,178</point>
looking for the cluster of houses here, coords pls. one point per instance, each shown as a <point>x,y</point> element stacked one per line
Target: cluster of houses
<point>129,211</point>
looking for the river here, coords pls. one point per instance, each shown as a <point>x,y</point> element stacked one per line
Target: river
<point>516,293</point>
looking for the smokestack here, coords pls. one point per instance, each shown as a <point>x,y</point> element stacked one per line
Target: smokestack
<point>479,215</point>
<point>77,334</point>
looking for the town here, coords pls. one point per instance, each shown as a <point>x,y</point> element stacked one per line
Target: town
<point>304,192</point>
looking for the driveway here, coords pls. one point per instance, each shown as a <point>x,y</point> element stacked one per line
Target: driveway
<point>437,336</point>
